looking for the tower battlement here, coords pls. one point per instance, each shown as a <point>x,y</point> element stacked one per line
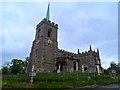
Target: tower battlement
<point>48,22</point>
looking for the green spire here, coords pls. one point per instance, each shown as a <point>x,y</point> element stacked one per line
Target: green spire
<point>48,12</point>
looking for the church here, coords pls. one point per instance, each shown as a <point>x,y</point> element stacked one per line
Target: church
<point>45,56</point>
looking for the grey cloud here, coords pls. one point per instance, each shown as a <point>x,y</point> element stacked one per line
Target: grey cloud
<point>80,24</point>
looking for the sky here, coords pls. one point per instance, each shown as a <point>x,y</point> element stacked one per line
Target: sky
<point>81,24</point>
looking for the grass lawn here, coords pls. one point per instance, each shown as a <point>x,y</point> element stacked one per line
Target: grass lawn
<point>0,83</point>
<point>53,80</point>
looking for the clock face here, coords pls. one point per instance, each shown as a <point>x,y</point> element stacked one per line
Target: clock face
<point>49,41</point>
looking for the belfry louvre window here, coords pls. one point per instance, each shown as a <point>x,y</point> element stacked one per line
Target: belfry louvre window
<point>38,33</point>
<point>49,33</point>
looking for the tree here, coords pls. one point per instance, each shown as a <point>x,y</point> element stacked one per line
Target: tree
<point>5,71</point>
<point>106,72</point>
<point>5,68</point>
<point>25,64</point>
<point>118,69</point>
<point>16,66</point>
<point>113,66</point>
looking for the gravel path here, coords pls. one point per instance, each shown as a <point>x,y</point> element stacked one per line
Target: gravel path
<point>98,87</point>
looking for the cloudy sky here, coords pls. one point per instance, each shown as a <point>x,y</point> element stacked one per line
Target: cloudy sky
<point>80,25</point>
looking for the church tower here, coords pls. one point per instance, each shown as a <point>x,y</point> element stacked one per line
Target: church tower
<point>45,46</point>
<point>46,57</point>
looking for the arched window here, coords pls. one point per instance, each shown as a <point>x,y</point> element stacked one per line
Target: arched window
<point>74,66</point>
<point>85,68</point>
<point>49,33</point>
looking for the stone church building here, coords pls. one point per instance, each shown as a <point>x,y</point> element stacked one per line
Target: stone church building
<point>45,55</point>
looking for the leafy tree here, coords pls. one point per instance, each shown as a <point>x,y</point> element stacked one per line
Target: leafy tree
<point>113,66</point>
<point>5,71</point>
<point>18,66</point>
<point>106,72</point>
<point>25,64</point>
<point>15,66</point>
<point>109,70</point>
<point>118,68</point>
<point>5,68</point>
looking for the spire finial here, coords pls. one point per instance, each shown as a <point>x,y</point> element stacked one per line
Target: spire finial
<point>48,12</point>
<point>78,51</point>
<point>90,48</point>
<point>97,50</point>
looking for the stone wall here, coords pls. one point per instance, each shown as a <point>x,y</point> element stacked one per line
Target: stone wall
<point>46,57</point>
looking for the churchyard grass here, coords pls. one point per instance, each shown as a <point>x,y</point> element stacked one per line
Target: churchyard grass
<point>53,80</point>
